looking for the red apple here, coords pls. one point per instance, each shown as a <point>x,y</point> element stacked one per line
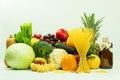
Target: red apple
<point>38,36</point>
<point>62,34</point>
<point>39,61</point>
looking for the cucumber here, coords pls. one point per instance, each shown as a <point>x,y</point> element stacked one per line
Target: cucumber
<point>68,49</point>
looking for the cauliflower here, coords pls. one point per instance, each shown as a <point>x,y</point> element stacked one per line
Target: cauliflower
<point>55,57</point>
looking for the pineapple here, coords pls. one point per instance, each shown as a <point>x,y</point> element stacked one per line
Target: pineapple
<point>90,22</point>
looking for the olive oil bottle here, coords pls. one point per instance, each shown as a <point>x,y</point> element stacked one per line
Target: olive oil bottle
<point>106,55</point>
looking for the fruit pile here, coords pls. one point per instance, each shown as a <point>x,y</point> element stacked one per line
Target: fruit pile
<point>67,50</point>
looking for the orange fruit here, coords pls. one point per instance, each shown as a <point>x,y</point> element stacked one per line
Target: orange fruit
<point>69,63</point>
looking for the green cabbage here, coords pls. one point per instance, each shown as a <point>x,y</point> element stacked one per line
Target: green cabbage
<point>19,56</point>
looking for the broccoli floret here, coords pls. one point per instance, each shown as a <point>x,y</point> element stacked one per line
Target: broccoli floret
<point>42,48</point>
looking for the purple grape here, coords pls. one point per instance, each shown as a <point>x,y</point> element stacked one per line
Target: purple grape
<point>50,38</point>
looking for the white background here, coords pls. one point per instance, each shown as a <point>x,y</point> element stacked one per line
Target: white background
<point>49,15</point>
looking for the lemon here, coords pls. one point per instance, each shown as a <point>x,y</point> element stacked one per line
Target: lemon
<point>33,40</point>
<point>94,62</point>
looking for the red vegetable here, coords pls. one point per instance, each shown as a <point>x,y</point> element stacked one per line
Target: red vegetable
<point>77,57</point>
<point>62,34</point>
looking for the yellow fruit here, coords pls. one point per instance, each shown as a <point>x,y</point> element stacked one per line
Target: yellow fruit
<point>33,40</point>
<point>69,42</point>
<point>69,63</point>
<point>40,60</point>
<point>94,62</point>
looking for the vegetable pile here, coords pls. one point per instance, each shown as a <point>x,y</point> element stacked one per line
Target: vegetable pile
<point>73,50</point>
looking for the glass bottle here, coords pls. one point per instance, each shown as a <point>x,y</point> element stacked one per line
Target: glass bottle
<point>106,55</point>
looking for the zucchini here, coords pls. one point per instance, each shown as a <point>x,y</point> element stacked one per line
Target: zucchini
<point>68,49</point>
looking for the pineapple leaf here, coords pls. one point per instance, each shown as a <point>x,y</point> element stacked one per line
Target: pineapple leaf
<point>83,21</point>
<point>92,19</point>
<point>98,23</point>
<point>90,22</point>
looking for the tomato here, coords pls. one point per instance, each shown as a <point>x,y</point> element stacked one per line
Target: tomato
<point>62,34</point>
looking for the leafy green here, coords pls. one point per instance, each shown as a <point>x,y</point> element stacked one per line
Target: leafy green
<point>42,49</point>
<point>25,34</point>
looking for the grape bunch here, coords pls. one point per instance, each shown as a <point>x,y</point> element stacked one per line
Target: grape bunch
<point>50,38</point>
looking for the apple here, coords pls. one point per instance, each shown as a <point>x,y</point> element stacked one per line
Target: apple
<point>38,36</point>
<point>39,61</point>
<point>77,58</point>
<point>62,34</point>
